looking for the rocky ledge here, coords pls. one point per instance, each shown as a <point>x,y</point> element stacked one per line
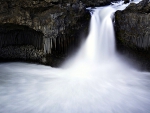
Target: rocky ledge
<point>133,32</point>
<point>44,31</point>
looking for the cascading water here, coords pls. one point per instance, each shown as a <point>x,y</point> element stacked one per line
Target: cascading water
<point>96,80</point>
<point>100,42</point>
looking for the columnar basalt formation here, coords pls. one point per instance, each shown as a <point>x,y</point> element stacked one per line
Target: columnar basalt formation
<point>47,21</point>
<point>133,30</point>
<point>20,42</point>
<point>54,27</point>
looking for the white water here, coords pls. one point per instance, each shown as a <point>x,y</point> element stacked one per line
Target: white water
<point>96,80</point>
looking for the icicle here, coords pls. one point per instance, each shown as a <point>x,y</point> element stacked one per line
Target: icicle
<point>45,48</point>
<point>46,45</point>
<point>49,46</point>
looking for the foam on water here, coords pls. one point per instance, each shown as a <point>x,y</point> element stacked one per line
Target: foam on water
<point>96,80</point>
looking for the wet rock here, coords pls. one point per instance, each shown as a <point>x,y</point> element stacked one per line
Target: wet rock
<point>59,21</point>
<point>20,42</point>
<point>132,25</point>
<point>11,34</point>
<point>53,26</point>
<point>133,31</point>
<point>22,53</point>
<point>94,3</point>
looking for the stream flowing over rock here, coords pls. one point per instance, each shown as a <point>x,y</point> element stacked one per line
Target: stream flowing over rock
<point>133,31</point>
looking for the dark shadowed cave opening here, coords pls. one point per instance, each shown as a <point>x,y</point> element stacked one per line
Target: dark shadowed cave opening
<point>19,43</point>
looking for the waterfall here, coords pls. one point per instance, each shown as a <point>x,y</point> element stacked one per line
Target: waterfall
<point>95,80</point>
<point>101,41</point>
<point>100,44</point>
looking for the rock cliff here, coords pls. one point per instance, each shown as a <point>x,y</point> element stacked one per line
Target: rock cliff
<point>133,31</point>
<point>42,30</point>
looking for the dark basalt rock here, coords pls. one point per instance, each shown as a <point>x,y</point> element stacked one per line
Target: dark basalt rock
<point>133,31</point>
<point>24,53</point>
<point>18,42</point>
<point>54,27</point>
<point>95,3</point>
<point>11,34</point>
